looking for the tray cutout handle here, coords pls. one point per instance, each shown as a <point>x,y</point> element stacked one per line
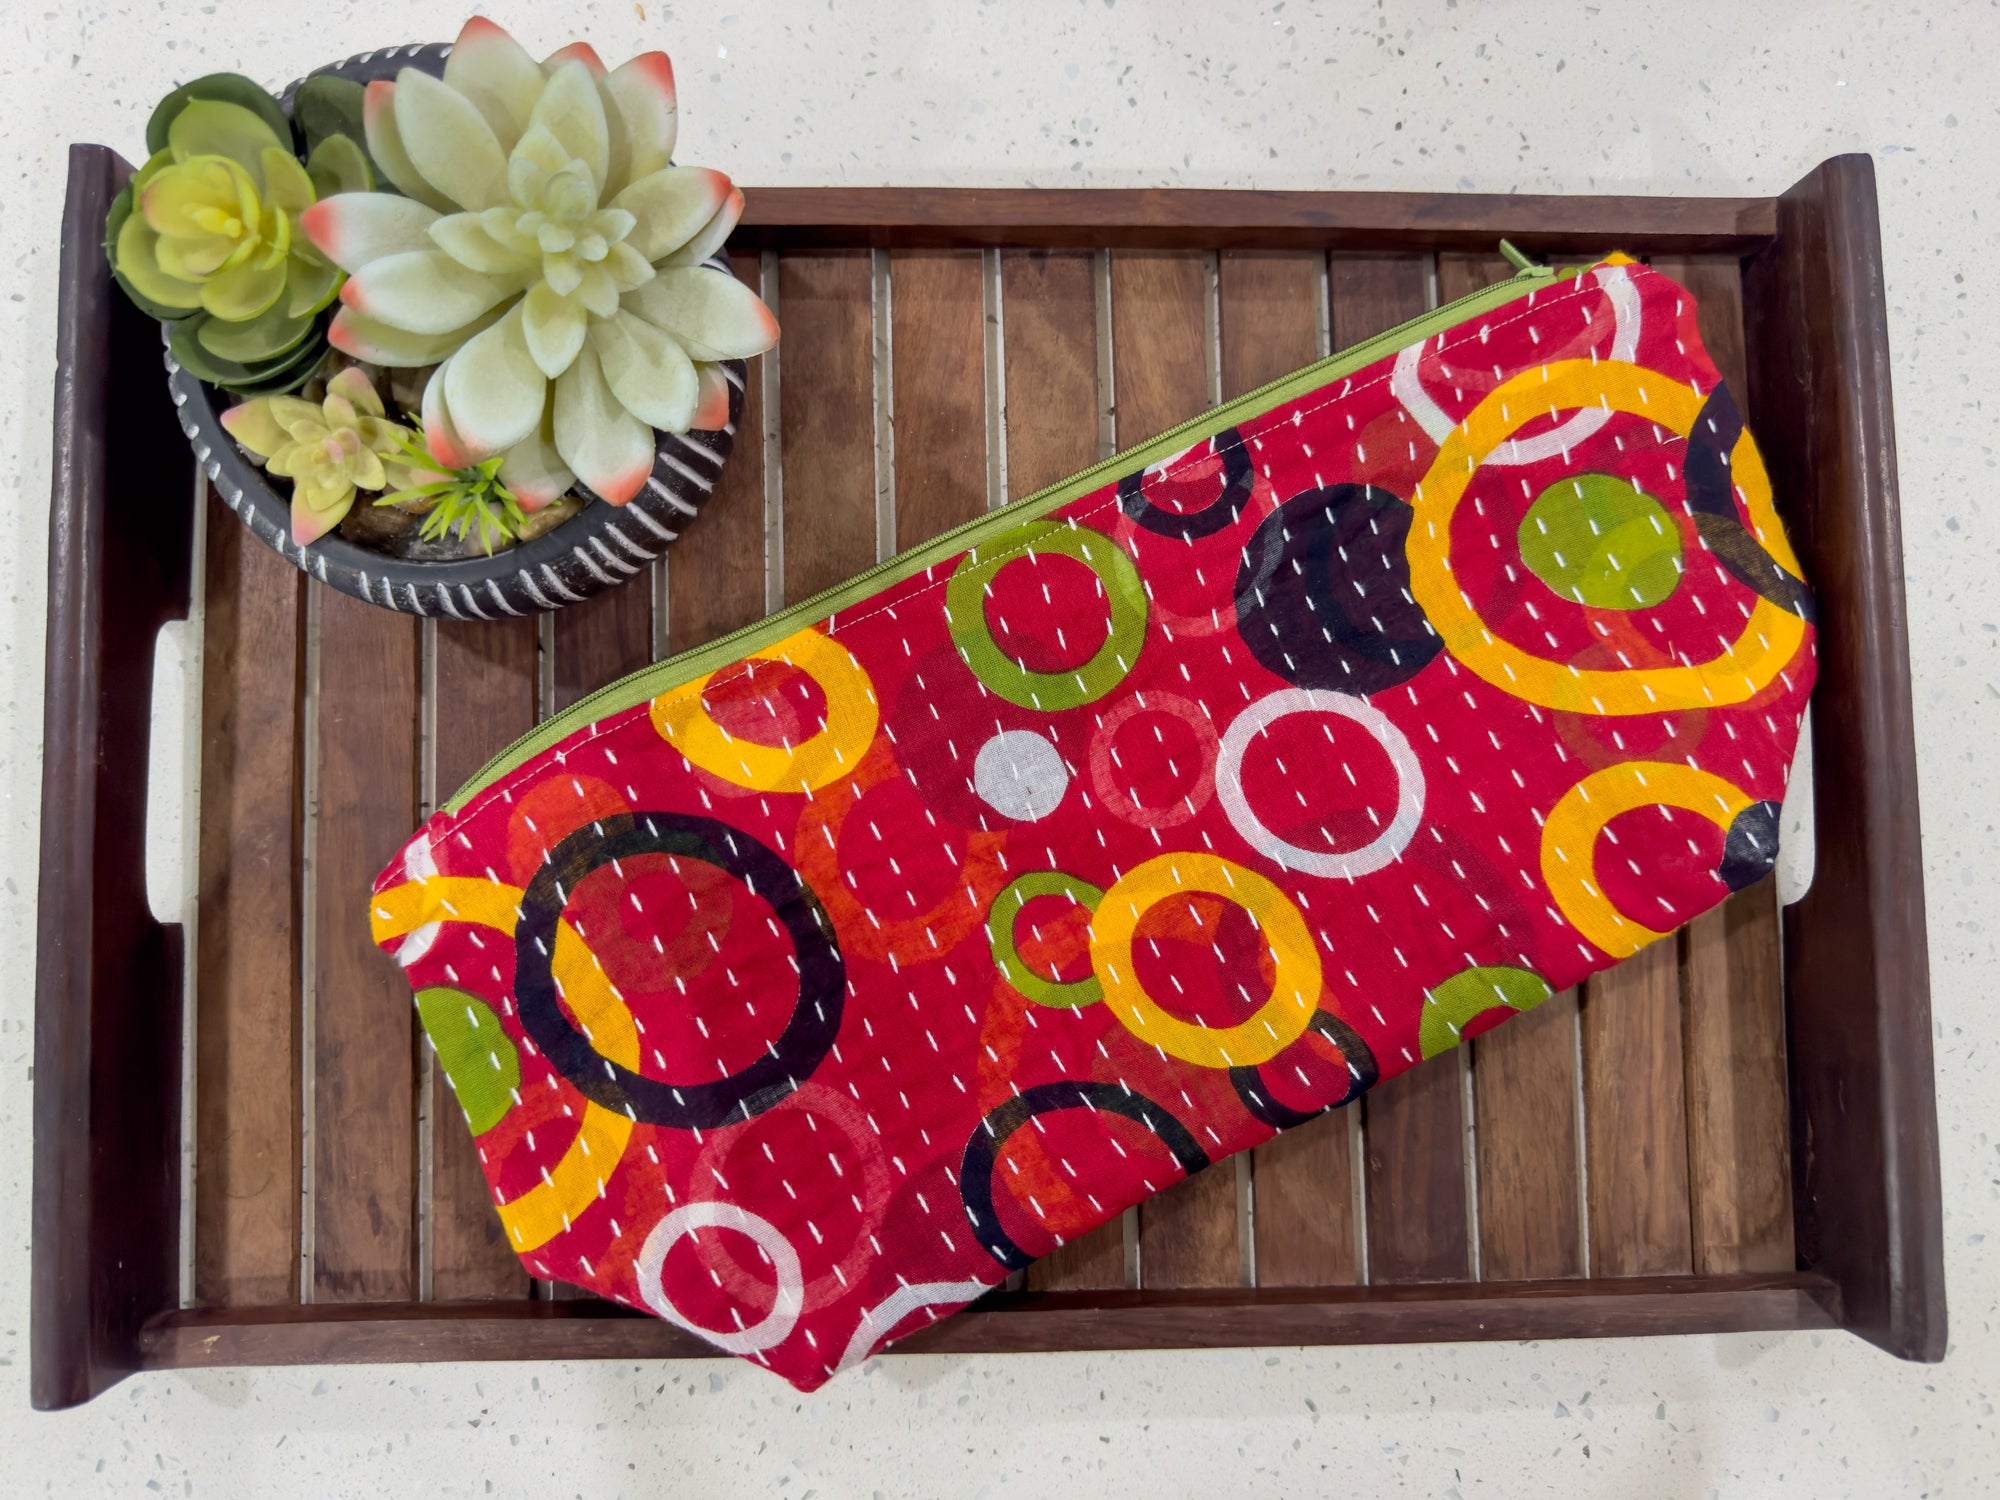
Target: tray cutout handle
<point>108,986</point>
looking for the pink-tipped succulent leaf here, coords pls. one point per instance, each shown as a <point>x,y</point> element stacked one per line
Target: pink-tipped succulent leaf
<point>440,437</point>
<point>496,73</point>
<point>534,470</point>
<point>711,407</point>
<point>610,449</point>
<point>493,391</point>
<point>712,235</point>
<point>581,52</point>
<point>547,254</point>
<point>352,229</point>
<point>640,94</point>
<point>385,144</point>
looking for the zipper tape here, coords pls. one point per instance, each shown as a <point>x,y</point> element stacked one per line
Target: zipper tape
<point>663,676</point>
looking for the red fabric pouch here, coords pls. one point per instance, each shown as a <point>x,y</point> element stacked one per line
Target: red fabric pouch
<point>801,988</point>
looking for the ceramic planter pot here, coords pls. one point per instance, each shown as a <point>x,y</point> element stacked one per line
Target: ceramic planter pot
<point>599,547</point>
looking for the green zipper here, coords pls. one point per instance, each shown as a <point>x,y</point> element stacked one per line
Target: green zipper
<point>662,676</point>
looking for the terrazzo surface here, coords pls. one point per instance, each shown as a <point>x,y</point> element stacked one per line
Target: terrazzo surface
<point>1690,98</point>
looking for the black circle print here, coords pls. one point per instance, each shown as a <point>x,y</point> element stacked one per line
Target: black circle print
<point>1750,850</point>
<point>1323,593</point>
<point>1711,496</point>
<point>1358,1060</point>
<point>740,1095</point>
<point>989,1137</point>
<point>1209,489</point>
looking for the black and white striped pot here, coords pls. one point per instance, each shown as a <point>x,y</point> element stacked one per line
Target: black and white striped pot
<point>599,547</point>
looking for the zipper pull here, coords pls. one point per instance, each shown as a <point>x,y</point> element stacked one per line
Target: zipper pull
<point>1520,262</point>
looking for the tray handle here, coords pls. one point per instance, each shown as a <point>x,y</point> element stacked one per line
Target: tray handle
<point>108,999</point>
<point>1866,1199</point>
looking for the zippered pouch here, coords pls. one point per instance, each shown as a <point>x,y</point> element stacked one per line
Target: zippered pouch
<point>800,988</point>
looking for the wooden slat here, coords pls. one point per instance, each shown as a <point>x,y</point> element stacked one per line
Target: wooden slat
<point>1524,1076</point>
<point>485,687</point>
<point>364,1089</point>
<point>1159,355</point>
<point>1460,273</point>
<point>1272,322</point>
<point>1528,1144</point>
<point>1304,1194</point>
<point>827,418</point>
<point>1048,302</point>
<point>1739,1159</point>
<point>247,1115</point>
<point>1716,283</point>
<point>1268,308</point>
<point>938,324</point>
<point>1159,340</point>
<point>1636,1117</point>
<point>1414,1125</point>
<point>1087,1263</point>
<point>715,570</point>
<point>1414,1150</point>
<point>1370,294</point>
<point>601,640</point>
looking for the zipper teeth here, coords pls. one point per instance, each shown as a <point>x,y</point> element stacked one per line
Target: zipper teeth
<point>688,664</point>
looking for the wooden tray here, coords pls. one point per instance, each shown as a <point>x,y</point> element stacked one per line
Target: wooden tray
<point>1710,1137</point>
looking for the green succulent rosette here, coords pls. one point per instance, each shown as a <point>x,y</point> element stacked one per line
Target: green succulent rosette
<point>206,236</point>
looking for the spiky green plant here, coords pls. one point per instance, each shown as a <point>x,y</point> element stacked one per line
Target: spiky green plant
<point>458,500</point>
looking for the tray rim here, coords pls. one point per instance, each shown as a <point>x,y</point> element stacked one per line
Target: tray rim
<point>1866,1194</point>
<point>1025,1322</point>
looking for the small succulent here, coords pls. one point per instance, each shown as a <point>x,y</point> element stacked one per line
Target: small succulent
<point>329,449</point>
<point>206,237</point>
<point>458,500</point>
<point>547,256</point>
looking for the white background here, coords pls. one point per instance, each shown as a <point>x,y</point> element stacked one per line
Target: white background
<point>1680,97</point>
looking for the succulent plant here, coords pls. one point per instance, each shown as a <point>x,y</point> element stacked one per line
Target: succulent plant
<point>547,256</point>
<point>205,236</point>
<point>457,500</point>
<point>329,449</point>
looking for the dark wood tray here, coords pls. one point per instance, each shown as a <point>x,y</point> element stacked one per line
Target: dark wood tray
<point>1728,1132</point>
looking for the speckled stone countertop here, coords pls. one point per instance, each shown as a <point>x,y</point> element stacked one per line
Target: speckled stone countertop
<point>1697,97</point>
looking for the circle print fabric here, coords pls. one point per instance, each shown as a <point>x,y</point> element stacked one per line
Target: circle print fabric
<point>817,993</point>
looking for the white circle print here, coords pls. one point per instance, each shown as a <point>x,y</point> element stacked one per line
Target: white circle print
<point>775,1325</point>
<point>1333,864</point>
<point>1020,776</point>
